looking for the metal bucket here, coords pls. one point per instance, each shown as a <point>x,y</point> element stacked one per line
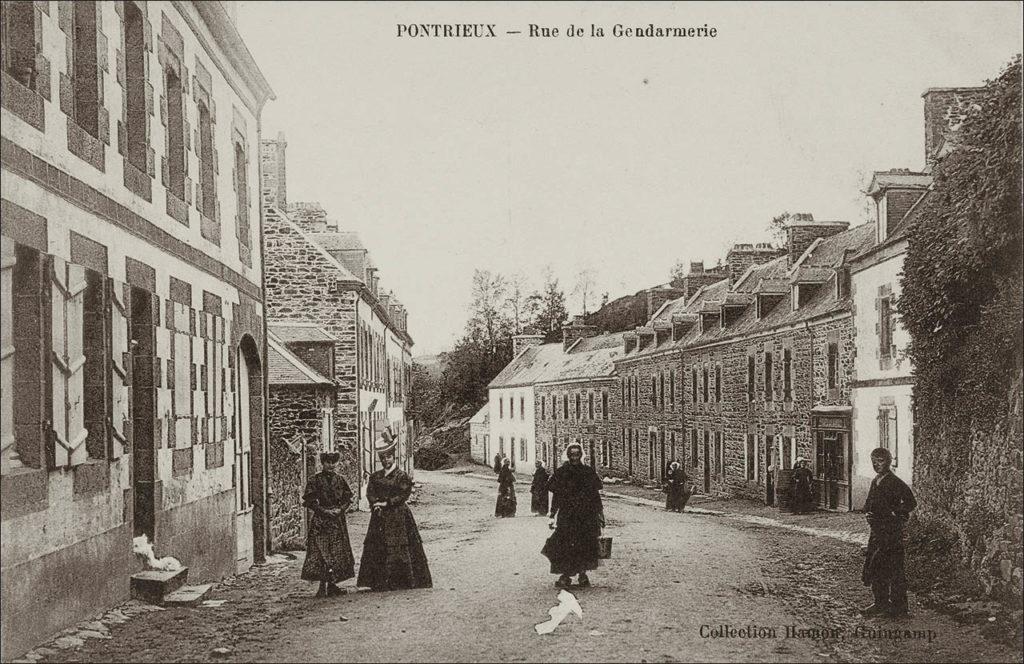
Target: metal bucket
<point>604,547</point>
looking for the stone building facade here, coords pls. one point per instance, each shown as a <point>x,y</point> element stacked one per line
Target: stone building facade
<point>480,436</point>
<point>749,372</point>
<point>132,318</point>
<point>320,276</point>
<point>300,363</point>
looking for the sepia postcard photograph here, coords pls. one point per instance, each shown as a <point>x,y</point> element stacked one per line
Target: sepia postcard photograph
<point>511,331</point>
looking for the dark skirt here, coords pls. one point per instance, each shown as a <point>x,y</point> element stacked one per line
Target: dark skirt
<point>574,546</point>
<point>539,502</point>
<point>676,498</point>
<point>328,552</point>
<point>393,556</point>
<point>506,504</point>
<point>884,560</point>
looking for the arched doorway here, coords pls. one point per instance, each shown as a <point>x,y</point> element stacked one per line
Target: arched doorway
<point>248,475</point>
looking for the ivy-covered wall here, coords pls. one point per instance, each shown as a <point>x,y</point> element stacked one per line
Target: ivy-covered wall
<point>961,303</point>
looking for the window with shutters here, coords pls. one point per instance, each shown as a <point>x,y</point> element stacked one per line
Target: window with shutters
<point>554,407</point>
<point>175,136</point>
<point>885,327</point>
<point>833,366</point>
<point>654,391</point>
<point>590,405</point>
<point>693,385</point>
<point>242,201</point>
<point>750,457</point>
<point>721,454</point>
<point>672,388</point>
<point>705,392</point>
<point>543,408</point>
<point>579,412</point>
<point>522,408</point>
<point>26,71</point>
<point>133,131</point>
<point>207,169</point>
<point>888,433</point>
<point>511,408</point>
<point>718,383</point>
<point>67,293</point>
<point>694,453</point>
<point>97,349</point>
<point>604,405</point>
<point>768,376</point>
<point>751,378</point>
<point>565,406</point>
<point>501,408</point>
<point>661,397</point>
<point>24,357</point>
<point>85,80</point>
<point>787,374</point>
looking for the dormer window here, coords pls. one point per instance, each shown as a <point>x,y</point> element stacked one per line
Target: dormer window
<point>842,283</point>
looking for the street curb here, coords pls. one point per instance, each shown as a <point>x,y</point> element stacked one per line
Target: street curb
<point>860,539</point>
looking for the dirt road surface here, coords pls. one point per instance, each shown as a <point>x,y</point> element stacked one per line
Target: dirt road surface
<point>679,587</point>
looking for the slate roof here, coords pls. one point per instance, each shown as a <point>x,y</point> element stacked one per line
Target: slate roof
<point>285,368</point>
<point>829,252</point>
<point>592,357</point>
<point>292,332</point>
<point>338,240</point>
<point>883,180</point>
<point>483,416</point>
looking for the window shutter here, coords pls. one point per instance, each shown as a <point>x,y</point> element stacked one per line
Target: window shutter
<point>120,361</point>
<point>8,451</point>
<point>68,359</point>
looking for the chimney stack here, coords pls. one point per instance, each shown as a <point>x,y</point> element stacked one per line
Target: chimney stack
<point>274,185</point>
<point>698,277</point>
<point>571,332</point>
<point>742,256</point>
<point>944,111</point>
<point>521,342</point>
<point>802,230</point>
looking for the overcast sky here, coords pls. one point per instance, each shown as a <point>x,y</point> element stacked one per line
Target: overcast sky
<point>621,155</point>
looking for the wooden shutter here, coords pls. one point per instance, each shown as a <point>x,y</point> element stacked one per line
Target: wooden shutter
<point>67,290</point>
<point>120,380</point>
<point>8,451</point>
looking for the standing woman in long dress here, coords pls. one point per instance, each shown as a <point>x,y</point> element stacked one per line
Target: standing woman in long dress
<point>328,550</point>
<point>539,490</point>
<point>393,556</point>
<point>506,504</point>
<point>675,489</point>
<point>577,516</point>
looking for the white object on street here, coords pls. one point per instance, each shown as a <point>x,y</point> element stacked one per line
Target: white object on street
<point>567,603</point>
<point>596,632</point>
<point>142,547</point>
<point>214,602</point>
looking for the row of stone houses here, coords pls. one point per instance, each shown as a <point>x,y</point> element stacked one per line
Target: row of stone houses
<point>133,336</point>
<point>344,362</point>
<point>778,353</point>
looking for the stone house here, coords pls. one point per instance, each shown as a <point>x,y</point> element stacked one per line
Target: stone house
<point>575,398</point>
<point>511,401</point>
<point>480,436</point>
<point>133,362</point>
<point>651,382</point>
<point>882,396</point>
<point>317,275</point>
<point>300,366</point>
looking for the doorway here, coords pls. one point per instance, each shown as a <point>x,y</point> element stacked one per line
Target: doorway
<point>250,504</point>
<point>831,435</point>
<point>707,464</point>
<point>661,456</point>
<point>144,478</point>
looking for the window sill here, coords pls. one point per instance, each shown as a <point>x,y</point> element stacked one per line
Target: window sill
<point>209,229</point>
<point>137,182</point>
<point>176,208</point>
<point>22,101</point>
<point>86,147</point>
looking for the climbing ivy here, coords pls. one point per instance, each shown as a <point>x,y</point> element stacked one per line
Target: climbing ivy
<point>962,292</point>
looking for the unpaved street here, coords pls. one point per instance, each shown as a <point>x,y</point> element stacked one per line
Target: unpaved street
<point>672,579</point>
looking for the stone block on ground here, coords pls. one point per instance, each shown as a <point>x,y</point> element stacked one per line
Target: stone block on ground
<point>188,595</point>
<point>153,585</point>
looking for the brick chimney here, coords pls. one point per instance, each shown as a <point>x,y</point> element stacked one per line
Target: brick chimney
<point>521,342</point>
<point>802,230</point>
<point>742,256</point>
<point>274,172</point>
<point>944,111</point>
<point>575,330</point>
<point>309,216</point>
<point>698,277</point>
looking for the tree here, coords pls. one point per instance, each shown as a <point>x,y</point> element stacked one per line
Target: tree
<point>584,288</point>
<point>487,309</point>
<point>521,308</point>
<point>550,307</point>
<point>677,274</point>
<point>777,227</point>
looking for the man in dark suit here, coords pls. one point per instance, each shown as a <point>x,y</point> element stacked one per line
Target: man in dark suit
<point>890,501</point>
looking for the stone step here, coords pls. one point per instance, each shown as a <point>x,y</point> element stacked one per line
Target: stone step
<point>188,595</point>
<point>152,586</point>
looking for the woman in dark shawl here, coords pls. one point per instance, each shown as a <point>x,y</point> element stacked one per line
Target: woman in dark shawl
<point>802,489</point>
<point>677,493</point>
<point>539,490</point>
<point>393,556</point>
<point>577,517</point>
<point>328,551</point>
<point>506,505</point>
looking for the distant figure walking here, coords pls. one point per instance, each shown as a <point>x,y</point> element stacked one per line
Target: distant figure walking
<point>393,556</point>
<point>497,462</point>
<point>677,493</point>
<point>328,550</point>
<point>577,516</point>
<point>539,490</point>
<point>802,489</point>
<point>506,505</point>
<point>888,505</point>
